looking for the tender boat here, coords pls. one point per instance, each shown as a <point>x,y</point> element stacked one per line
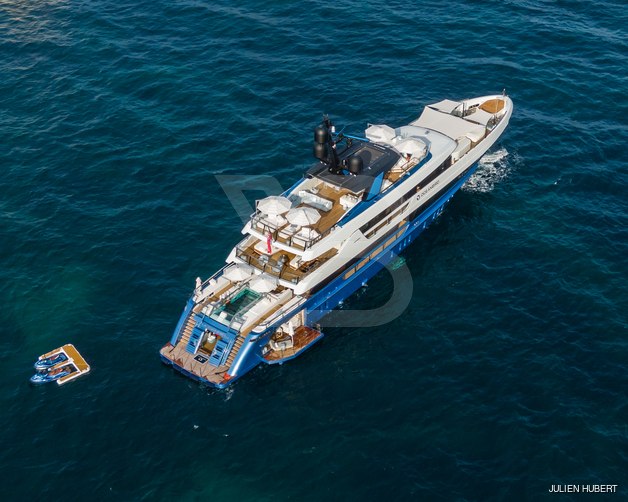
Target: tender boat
<point>52,374</point>
<point>49,362</point>
<point>306,250</point>
<point>60,365</point>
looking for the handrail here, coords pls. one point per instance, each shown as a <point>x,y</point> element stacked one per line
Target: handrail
<point>256,218</point>
<point>267,229</point>
<point>238,315</point>
<point>206,281</point>
<point>284,310</point>
<point>227,351</point>
<point>269,267</point>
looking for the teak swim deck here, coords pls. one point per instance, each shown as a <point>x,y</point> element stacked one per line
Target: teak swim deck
<point>304,337</point>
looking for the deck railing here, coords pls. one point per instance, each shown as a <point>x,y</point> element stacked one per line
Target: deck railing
<point>284,311</point>
<point>270,266</point>
<point>257,221</point>
<point>206,282</point>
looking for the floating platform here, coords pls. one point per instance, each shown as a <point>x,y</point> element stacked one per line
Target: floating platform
<point>68,368</point>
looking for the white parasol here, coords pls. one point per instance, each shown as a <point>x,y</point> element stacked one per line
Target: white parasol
<point>275,204</point>
<point>308,233</point>
<point>263,283</point>
<point>238,272</point>
<point>303,216</point>
<point>276,220</point>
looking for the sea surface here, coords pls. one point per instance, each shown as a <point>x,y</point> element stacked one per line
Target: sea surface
<point>506,374</point>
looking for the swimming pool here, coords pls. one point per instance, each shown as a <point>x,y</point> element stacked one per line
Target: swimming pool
<point>238,303</point>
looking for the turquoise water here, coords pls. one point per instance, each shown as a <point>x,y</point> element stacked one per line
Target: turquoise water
<point>506,374</point>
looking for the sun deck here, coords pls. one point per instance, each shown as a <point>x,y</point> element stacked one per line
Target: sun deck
<point>331,217</point>
<point>329,201</point>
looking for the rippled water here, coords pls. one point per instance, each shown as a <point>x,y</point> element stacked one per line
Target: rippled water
<point>506,374</point>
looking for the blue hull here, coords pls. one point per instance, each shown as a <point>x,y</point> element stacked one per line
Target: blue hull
<point>339,290</point>
<point>330,296</point>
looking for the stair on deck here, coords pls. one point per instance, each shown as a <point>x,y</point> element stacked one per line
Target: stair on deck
<point>191,338</point>
<point>187,331</point>
<point>234,350</point>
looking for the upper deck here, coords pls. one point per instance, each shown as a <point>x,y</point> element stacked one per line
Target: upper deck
<point>290,245</point>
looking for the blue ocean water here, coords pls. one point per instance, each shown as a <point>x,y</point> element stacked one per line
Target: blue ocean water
<point>506,374</point>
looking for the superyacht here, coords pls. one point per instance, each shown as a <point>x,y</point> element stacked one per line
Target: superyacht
<point>306,250</point>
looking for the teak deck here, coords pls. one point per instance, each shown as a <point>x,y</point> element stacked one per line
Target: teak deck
<point>331,217</point>
<point>303,337</point>
<point>186,361</point>
<point>492,105</point>
<point>215,374</point>
<point>74,358</point>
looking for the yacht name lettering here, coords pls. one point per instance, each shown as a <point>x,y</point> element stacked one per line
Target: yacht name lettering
<point>583,489</point>
<point>428,189</point>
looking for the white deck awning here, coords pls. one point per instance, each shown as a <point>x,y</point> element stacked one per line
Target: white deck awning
<point>446,105</point>
<point>451,126</point>
<point>480,116</point>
